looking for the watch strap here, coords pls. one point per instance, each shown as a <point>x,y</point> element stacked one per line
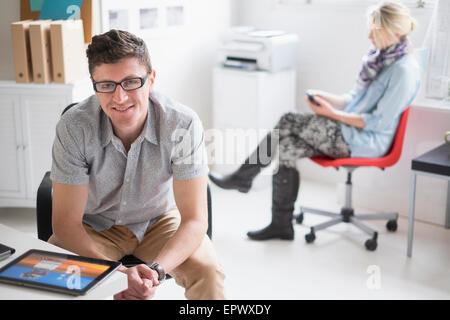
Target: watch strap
<point>159,269</point>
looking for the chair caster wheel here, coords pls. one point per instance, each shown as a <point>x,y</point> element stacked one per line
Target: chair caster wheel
<point>310,237</point>
<point>391,225</point>
<point>299,218</point>
<point>371,244</point>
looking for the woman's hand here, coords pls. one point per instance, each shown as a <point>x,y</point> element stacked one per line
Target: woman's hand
<point>142,282</point>
<point>324,109</point>
<point>337,101</point>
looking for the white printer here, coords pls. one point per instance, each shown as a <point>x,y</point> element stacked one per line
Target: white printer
<point>252,49</point>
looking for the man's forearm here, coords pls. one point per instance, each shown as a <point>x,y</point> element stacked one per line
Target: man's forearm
<point>83,245</point>
<point>76,239</point>
<point>184,242</point>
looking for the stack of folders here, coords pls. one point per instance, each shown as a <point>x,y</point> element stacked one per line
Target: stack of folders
<point>22,52</point>
<point>49,51</point>
<point>68,51</point>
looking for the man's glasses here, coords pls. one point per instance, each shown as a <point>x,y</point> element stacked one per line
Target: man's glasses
<point>127,85</point>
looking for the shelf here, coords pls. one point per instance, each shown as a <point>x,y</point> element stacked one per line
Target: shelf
<point>434,104</point>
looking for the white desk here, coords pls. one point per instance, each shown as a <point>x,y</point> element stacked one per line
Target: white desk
<point>22,243</point>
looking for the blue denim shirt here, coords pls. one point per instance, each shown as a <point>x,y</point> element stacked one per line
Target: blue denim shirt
<point>380,105</point>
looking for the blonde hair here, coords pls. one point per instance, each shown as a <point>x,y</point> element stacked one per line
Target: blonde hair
<point>391,16</point>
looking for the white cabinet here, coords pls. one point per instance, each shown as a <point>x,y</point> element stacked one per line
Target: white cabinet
<point>12,181</point>
<point>245,105</point>
<point>251,99</point>
<point>28,117</point>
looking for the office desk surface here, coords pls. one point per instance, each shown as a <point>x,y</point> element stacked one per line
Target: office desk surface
<point>435,161</point>
<point>22,243</point>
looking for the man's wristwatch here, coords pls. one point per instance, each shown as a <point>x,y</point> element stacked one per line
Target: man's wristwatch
<point>157,267</point>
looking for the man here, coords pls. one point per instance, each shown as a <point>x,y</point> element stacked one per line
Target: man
<point>129,176</point>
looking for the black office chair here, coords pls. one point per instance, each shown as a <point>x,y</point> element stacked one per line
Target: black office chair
<point>44,212</point>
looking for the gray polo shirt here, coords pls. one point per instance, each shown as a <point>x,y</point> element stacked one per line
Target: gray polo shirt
<point>134,188</point>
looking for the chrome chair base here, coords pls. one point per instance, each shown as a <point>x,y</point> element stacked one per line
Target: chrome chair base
<point>347,215</point>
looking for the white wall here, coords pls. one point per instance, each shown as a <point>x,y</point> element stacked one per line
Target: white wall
<point>183,62</point>
<point>332,39</point>
<point>332,42</point>
<point>9,12</point>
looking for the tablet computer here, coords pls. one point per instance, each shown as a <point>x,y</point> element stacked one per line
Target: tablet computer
<point>65,273</point>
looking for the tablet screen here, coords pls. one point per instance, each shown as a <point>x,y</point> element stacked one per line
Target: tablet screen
<point>54,270</point>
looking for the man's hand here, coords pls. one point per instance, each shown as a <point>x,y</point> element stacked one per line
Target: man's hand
<point>142,282</point>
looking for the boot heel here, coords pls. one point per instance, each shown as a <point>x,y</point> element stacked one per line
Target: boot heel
<point>290,237</point>
<point>243,190</point>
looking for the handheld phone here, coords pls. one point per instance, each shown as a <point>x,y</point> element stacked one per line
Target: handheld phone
<point>311,98</point>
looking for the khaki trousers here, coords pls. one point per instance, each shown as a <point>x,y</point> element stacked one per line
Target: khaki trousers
<point>201,274</point>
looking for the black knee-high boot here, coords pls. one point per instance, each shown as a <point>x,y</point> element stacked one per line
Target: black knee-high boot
<point>285,185</point>
<point>242,178</point>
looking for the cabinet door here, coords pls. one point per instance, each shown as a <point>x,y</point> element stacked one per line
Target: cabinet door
<point>12,177</point>
<point>235,98</point>
<point>277,92</point>
<point>40,116</point>
<point>235,118</point>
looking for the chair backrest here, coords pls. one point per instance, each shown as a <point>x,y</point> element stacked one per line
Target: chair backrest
<point>68,107</point>
<point>397,145</point>
<point>387,160</point>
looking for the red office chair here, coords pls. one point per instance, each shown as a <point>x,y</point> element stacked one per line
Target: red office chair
<point>347,212</point>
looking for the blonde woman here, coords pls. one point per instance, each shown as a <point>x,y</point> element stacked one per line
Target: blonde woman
<point>361,123</point>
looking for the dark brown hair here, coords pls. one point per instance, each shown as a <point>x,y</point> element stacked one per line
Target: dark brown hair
<point>114,45</point>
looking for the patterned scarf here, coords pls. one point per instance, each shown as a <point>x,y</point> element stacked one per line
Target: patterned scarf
<point>376,60</point>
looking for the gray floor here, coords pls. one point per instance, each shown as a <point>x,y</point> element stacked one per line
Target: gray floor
<point>335,266</point>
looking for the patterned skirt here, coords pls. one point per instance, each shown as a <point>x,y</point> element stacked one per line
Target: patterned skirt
<point>309,135</point>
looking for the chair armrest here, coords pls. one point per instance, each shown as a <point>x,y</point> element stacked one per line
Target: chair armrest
<point>44,208</point>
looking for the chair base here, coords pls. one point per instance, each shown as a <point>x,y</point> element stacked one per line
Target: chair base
<point>347,215</point>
